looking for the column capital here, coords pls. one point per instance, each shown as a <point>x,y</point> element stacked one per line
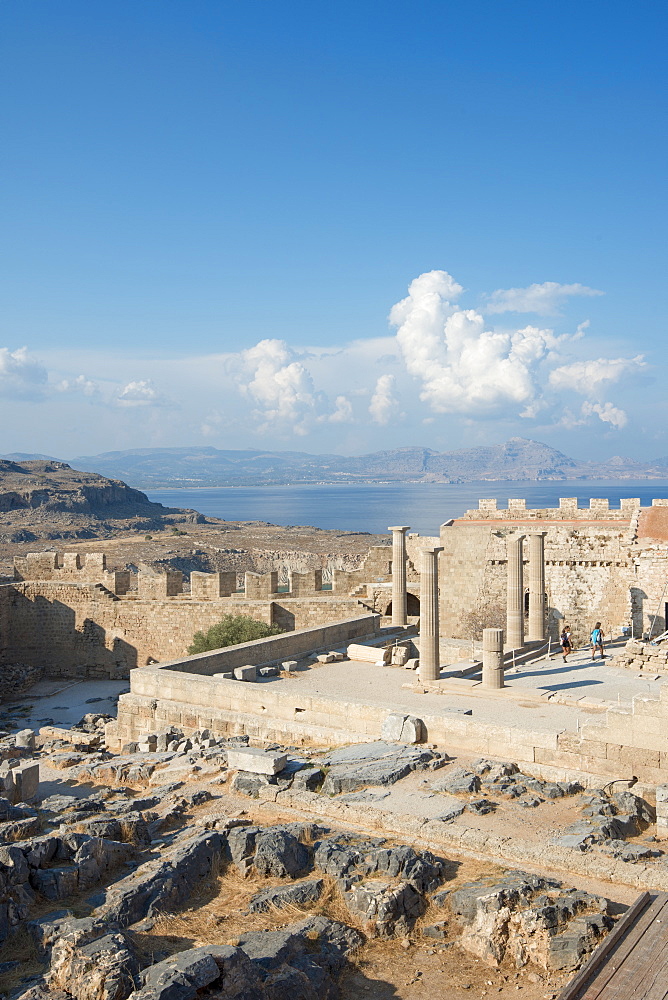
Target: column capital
<point>400,527</point>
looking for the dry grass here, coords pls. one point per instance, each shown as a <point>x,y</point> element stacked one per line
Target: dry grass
<point>19,947</point>
<point>219,913</point>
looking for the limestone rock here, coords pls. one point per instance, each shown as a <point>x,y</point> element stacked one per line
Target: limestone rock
<point>387,909</point>
<point>381,763</point>
<point>525,918</point>
<point>459,782</point>
<point>162,884</point>
<point>299,894</point>
<point>279,854</point>
<point>104,969</point>
<point>180,976</point>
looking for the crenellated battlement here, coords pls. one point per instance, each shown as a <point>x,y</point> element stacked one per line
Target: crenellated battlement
<point>72,567</point>
<point>599,509</point>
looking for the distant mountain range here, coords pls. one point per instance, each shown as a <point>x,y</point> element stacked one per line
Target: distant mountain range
<point>516,459</point>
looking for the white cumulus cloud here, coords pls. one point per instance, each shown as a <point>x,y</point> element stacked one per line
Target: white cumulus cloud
<point>384,401</point>
<point>543,299</point>
<point>587,377</point>
<point>21,376</point>
<point>343,411</point>
<point>464,367</point>
<point>78,384</point>
<point>280,386</point>
<point>606,412</point>
<point>140,392</point>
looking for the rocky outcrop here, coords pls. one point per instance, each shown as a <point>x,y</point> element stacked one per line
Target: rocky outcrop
<point>526,918</point>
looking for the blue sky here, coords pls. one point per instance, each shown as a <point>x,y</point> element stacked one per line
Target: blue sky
<point>210,210</point>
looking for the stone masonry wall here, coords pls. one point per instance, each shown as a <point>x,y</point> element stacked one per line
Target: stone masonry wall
<point>595,568</point>
<point>626,742</point>
<point>76,630</point>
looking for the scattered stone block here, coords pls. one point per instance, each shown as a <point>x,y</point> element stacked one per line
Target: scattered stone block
<point>308,779</point>
<point>325,658</point>
<point>255,760</point>
<point>289,666</point>
<point>227,675</point>
<point>76,736</point>
<point>399,656</point>
<point>247,673</point>
<point>481,807</point>
<point>412,663</point>
<point>26,782</point>
<point>337,656</point>
<point>268,671</point>
<point>403,729</point>
<point>365,654</point>
<point>25,738</point>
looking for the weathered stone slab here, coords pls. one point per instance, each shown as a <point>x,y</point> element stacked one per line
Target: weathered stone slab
<point>247,673</point>
<point>403,728</point>
<point>255,760</point>
<point>279,853</point>
<point>378,769</point>
<point>365,654</point>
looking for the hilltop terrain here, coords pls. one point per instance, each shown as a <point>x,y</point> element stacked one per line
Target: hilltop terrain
<point>45,504</point>
<point>515,460</point>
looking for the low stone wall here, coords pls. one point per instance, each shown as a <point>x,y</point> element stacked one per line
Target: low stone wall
<point>625,743</point>
<point>275,647</point>
<point>639,655</point>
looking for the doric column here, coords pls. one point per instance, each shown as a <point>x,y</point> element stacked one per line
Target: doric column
<point>537,586</point>
<point>515,597</point>
<point>492,658</point>
<point>430,657</point>
<point>399,574</point>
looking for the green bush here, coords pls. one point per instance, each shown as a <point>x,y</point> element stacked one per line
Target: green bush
<point>231,630</point>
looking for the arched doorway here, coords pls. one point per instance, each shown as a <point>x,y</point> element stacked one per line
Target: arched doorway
<point>412,606</point>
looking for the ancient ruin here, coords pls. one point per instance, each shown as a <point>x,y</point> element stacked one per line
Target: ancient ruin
<point>414,701</point>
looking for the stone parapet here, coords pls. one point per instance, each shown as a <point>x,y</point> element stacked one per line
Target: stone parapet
<point>599,508</point>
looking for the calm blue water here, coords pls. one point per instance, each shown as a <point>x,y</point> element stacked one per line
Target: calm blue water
<point>424,506</point>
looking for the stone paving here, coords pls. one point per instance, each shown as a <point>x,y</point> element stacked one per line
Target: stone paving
<point>578,678</point>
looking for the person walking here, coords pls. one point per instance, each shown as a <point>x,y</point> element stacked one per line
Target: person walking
<point>596,638</point>
<point>566,646</point>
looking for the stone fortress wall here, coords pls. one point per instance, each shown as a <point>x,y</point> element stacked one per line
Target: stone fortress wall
<point>76,616</point>
<point>70,613</point>
<point>599,565</point>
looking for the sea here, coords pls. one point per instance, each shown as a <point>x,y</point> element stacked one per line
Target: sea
<point>372,508</point>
